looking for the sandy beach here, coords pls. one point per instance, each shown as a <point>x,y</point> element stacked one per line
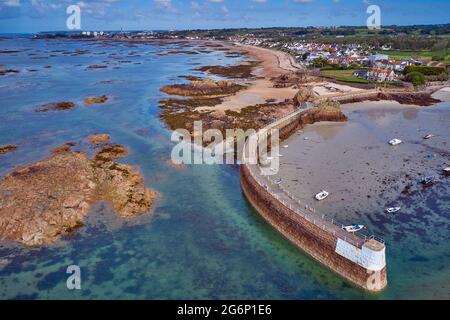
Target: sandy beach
<point>272,64</point>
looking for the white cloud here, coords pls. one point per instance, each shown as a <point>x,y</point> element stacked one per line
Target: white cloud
<point>224,9</point>
<point>10,3</point>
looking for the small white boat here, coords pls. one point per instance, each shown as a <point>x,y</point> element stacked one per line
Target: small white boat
<point>393,209</point>
<point>395,142</point>
<point>322,195</point>
<point>354,228</point>
<point>278,181</point>
<point>428,181</point>
<point>306,138</point>
<point>286,146</point>
<point>429,136</point>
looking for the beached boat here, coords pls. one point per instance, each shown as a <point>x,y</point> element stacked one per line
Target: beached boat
<point>354,228</point>
<point>278,181</point>
<point>427,181</point>
<point>322,195</point>
<point>395,142</point>
<point>393,210</point>
<point>446,171</point>
<point>429,136</point>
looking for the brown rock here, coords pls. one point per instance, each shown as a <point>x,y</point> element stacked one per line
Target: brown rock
<point>206,87</point>
<point>64,148</point>
<point>56,106</point>
<point>95,100</point>
<point>99,138</point>
<point>7,149</point>
<point>8,71</point>
<point>97,66</point>
<point>112,152</point>
<point>43,200</point>
<point>304,94</point>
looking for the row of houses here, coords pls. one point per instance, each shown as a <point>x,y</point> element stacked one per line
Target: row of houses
<point>377,75</point>
<point>376,67</point>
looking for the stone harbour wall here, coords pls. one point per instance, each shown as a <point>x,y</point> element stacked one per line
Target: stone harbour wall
<point>364,266</point>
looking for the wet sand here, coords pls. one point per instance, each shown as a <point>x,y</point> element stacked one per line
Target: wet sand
<point>354,162</point>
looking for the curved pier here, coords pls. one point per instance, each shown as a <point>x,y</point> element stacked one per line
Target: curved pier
<point>359,259</point>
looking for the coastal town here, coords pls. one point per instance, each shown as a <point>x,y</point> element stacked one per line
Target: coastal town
<point>353,63</point>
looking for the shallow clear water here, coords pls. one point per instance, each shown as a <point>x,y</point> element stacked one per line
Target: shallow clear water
<point>203,240</point>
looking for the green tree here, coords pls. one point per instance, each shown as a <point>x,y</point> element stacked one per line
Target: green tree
<point>416,78</point>
<point>320,62</point>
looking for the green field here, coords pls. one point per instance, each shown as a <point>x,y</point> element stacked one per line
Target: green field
<point>424,55</point>
<point>342,75</point>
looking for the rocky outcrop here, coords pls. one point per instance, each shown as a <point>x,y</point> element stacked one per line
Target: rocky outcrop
<point>205,87</point>
<point>97,66</point>
<point>242,71</point>
<point>411,98</point>
<point>325,111</point>
<point>99,138</point>
<point>8,71</point>
<point>291,80</point>
<point>56,106</point>
<point>41,201</point>
<point>7,149</point>
<point>89,101</point>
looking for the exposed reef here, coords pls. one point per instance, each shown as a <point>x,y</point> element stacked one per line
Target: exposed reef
<point>242,71</point>
<point>89,101</point>
<point>325,111</point>
<point>8,71</point>
<point>293,79</point>
<point>7,149</point>
<point>99,138</point>
<point>44,200</point>
<point>56,106</point>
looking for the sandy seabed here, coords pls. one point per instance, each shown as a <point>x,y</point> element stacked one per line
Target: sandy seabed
<point>355,163</point>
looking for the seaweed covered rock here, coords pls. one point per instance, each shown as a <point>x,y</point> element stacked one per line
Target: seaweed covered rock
<point>206,87</point>
<point>304,94</point>
<point>56,106</point>
<point>7,149</point>
<point>326,111</point>
<point>95,100</point>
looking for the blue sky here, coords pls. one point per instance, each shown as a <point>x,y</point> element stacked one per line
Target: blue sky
<point>48,15</point>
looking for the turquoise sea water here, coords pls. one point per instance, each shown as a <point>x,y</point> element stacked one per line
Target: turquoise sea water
<point>204,240</point>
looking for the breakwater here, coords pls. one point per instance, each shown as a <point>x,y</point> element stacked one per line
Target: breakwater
<point>359,259</point>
